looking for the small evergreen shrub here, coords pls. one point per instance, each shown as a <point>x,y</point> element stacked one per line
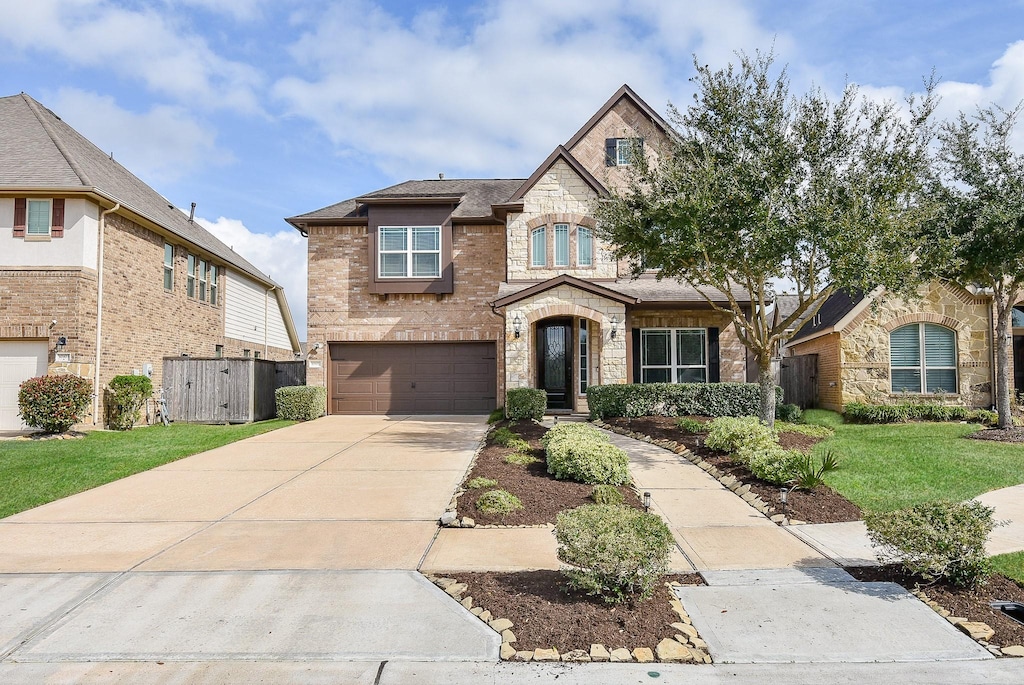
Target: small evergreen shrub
<point>525,403</point>
<point>503,437</point>
<point>612,551</point>
<point>498,502</point>
<point>481,483</point>
<point>676,399</point>
<point>521,459</point>
<point>496,415</point>
<point>859,412</point>
<point>810,472</point>
<point>301,402</point>
<point>937,540</point>
<point>54,403</point>
<point>810,429</point>
<point>692,426</point>
<point>772,464</point>
<point>728,434</point>
<point>607,494</point>
<point>586,456</point>
<point>566,428</point>
<point>788,412</point>
<point>125,398</point>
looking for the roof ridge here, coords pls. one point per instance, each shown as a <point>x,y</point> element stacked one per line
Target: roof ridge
<point>33,107</point>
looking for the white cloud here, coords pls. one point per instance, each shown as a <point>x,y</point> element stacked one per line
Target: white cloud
<point>143,44</point>
<point>431,94</point>
<point>242,10</point>
<point>281,255</point>
<point>163,144</point>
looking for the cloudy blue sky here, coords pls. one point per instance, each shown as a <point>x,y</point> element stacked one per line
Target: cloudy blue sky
<point>261,109</point>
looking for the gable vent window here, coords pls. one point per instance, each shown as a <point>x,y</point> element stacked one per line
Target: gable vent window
<point>409,251</point>
<point>622,151</point>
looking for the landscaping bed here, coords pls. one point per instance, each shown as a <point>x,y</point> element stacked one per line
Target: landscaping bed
<point>1014,434</point>
<point>541,494</point>
<point>546,616</point>
<point>972,605</point>
<point>822,505</point>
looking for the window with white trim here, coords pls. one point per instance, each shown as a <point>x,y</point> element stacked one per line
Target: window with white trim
<point>584,246</point>
<point>409,251</point>
<point>622,151</point>
<point>673,355</point>
<point>202,280</point>
<point>168,266</point>
<point>190,280</point>
<point>922,359</point>
<point>213,284</point>
<point>539,247</point>
<point>561,244</point>
<point>37,217</point>
<point>584,362</point>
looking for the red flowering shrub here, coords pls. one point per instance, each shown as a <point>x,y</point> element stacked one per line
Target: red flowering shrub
<point>54,403</point>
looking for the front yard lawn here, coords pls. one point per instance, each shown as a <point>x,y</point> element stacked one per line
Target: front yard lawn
<point>34,472</point>
<point>892,466</point>
<point>1010,565</point>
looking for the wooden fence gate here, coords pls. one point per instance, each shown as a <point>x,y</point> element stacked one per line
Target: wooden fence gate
<point>235,390</point>
<point>799,380</point>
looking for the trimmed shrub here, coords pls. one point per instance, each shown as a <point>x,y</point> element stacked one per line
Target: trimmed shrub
<point>301,402</point>
<point>54,403</point>
<point>561,430</point>
<point>859,412</point>
<point>503,437</point>
<point>498,502</point>
<point>612,551</point>
<point>125,398</point>
<point>586,456</point>
<point>937,540</point>
<point>607,494</point>
<point>676,399</point>
<point>788,412</point>
<point>772,464</point>
<point>691,425</point>
<point>521,459</point>
<point>525,403</point>
<point>728,434</point>
<point>481,483</point>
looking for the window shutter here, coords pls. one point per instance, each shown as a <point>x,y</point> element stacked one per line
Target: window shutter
<point>57,223</point>
<point>20,220</point>
<point>714,358</point>
<point>610,154</point>
<point>636,355</point>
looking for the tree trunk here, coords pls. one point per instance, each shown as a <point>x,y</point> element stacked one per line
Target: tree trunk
<point>766,381</point>
<point>1004,311</point>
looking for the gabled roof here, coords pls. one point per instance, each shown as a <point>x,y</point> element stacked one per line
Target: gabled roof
<point>40,152</point>
<point>564,279</point>
<point>831,312</point>
<point>646,290</point>
<point>559,153</point>
<point>474,196</point>
<point>624,92</point>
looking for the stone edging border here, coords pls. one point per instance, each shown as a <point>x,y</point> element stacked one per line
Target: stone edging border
<point>685,647</point>
<point>978,631</point>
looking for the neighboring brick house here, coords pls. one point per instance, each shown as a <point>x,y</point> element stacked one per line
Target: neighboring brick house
<point>100,275</point>
<point>881,348</point>
<point>439,295</point>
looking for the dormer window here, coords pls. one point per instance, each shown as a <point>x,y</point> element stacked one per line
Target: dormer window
<point>409,252</point>
<point>622,151</point>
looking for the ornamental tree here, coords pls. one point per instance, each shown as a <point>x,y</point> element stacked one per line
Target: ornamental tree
<point>758,187</point>
<point>977,236</point>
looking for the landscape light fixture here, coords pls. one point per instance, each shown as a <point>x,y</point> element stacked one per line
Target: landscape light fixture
<point>517,325</point>
<point>614,322</point>
<point>647,501</point>
<point>783,498</point>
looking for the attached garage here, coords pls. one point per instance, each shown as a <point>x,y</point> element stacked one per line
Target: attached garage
<point>19,361</point>
<point>413,378</point>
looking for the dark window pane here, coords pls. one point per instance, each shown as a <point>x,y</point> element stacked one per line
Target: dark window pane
<point>655,348</point>
<point>906,380</point>
<point>940,380</point>
<point>939,346</point>
<point>691,376</point>
<point>657,376</point>
<point>905,346</point>
<point>690,348</point>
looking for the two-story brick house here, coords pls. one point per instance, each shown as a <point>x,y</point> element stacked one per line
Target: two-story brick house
<point>439,295</point>
<point>100,275</point>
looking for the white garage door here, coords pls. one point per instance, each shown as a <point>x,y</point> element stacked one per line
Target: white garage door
<point>19,360</point>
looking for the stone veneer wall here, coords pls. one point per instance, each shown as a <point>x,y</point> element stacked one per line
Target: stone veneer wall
<point>732,353</point>
<point>865,344</point>
<point>830,372</point>
<point>607,354</point>
<point>341,308</point>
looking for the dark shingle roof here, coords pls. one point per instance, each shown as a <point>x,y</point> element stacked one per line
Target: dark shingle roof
<point>38,150</point>
<point>476,197</point>
<point>644,289</point>
<point>832,311</point>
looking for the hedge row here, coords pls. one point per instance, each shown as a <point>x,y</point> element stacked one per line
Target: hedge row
<point>300,402</point>
<point>676,399</point>
<point>857,412</point>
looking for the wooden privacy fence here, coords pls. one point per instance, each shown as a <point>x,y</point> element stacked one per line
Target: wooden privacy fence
<point>236,390</point>
<point>799,380</point>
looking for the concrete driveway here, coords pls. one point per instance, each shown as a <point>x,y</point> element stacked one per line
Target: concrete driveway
<point>300,544</point>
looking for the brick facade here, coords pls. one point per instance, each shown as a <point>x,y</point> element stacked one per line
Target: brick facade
<point>830,376</point>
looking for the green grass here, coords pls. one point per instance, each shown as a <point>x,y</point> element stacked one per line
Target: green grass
<point>1010,565</point>
<point>39,471</point>
<point>887,467</point>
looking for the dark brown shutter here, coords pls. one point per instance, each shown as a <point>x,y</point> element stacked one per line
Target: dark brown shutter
<point>19,217</point>
<point>714,357</point>
<point>610,153</point>
<point>636,356</point>
<point>57,224</point>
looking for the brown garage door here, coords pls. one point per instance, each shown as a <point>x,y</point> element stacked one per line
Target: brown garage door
<point>413,378</point>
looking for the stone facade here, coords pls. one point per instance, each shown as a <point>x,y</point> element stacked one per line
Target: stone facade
<point>732,353</point>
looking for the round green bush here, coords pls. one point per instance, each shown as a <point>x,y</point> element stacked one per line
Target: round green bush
<point>607,494</point>
<point>587,459</point>
<point>612,551</point>
<point>525,403</point>
<point>498,502</point>
<point>772,464</point>
<point>728,434</point>
<point>481,483</point>
<point>125,398</point>
<point>566,428</point>
<point>54,403</point>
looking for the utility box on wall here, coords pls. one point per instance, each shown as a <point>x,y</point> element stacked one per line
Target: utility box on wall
<point>229,390</point>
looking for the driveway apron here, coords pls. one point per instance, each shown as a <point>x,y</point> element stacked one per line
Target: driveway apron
<point>299,544</point>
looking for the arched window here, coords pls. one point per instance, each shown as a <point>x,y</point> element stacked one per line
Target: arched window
<point>922,359</point>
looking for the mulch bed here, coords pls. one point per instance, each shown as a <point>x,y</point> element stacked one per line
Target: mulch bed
<point>541,494</point>
<point>970,604</point>
<point>999,434</point>
<point>823,505</point>
<point>545,616</point>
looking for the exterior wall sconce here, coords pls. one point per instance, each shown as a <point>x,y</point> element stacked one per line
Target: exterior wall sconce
<point>517,325</point>
<point>615,323</point>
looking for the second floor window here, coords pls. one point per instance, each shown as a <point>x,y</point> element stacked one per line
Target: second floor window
<point>622,151</point>
<point>561,244</point>
<point>213,284</point>
<point>539,247</point>
<point>584,247</point>
<point>409,252</point>
<point>38,217</point>
<point>202,280</point>
<point>190,280</point>
<point>168,266</point>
